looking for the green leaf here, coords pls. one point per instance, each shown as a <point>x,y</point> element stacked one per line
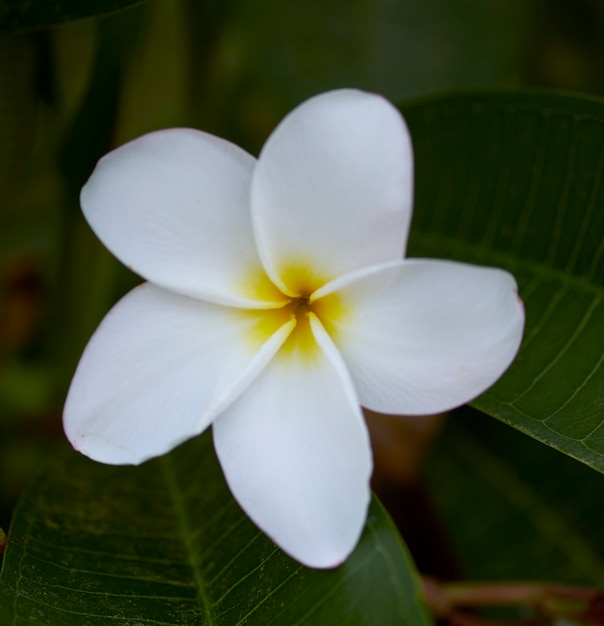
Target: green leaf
<point>401,49</point>
<point>20,15</point>
<point>273,55</point>
<point>515,180</point>
<point>17,134</point>
<point>87,272</point>
<point>165,543</point>
<point>535,513</point>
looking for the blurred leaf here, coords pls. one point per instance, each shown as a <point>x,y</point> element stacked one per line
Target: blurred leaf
<point>515,180</point>
<point>23,389</point>
<point>17,124</point>
<point>274,55</point>
<point>17,106</point>
<point>88,271</point>
<point>165,543</point>
<point>92,131</point>
<point>536,514</point>
<point>205,23</point>
<point>160,58</point>
<point>19,15</point>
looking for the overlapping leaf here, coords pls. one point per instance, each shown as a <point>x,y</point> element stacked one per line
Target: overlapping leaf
<point>516,180</point>
<point>532,511</point>
<point>18,15</point>
<point>165,543</point>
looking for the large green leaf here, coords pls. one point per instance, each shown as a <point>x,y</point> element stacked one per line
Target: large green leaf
<point>165,543</point>
<point>535,513</point>
<point>18,15</point>
<point>515,180</point>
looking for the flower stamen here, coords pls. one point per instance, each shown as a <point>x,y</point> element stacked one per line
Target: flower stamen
<point>300,305</point>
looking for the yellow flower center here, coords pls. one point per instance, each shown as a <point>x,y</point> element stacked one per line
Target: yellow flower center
<point>299,307</point>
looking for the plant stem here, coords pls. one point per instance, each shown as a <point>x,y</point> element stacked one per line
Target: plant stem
<point>580,604</point>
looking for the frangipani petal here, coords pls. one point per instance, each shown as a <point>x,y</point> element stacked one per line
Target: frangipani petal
<point>157,371</point>
<point>173,206</point>
<point>423,336</point>
<point>295,452</point>
<point>332,191</point>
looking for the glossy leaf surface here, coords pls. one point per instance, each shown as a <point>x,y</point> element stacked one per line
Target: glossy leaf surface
<point>165,543</point>
<point>18,15</point>
<point>515,180</point>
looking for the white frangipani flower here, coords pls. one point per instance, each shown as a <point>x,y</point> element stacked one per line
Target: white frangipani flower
<point>278,301</point>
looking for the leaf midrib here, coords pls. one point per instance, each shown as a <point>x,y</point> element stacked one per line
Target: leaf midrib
<point>186,534</point>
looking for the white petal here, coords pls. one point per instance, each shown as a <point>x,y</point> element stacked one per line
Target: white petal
<point>174,206</point>
<point>332,191</point>
<point>157,371</point>
<point>295,452</point>
<point>423,336</point>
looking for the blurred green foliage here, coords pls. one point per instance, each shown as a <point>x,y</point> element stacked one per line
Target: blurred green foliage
<point>516,509</point>
<point>69,93</point>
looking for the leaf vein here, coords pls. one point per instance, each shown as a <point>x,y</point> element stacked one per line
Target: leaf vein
<point>589,376</point>
<point>243,578</point>
<point>91,592</point>
<point>567,345</point>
